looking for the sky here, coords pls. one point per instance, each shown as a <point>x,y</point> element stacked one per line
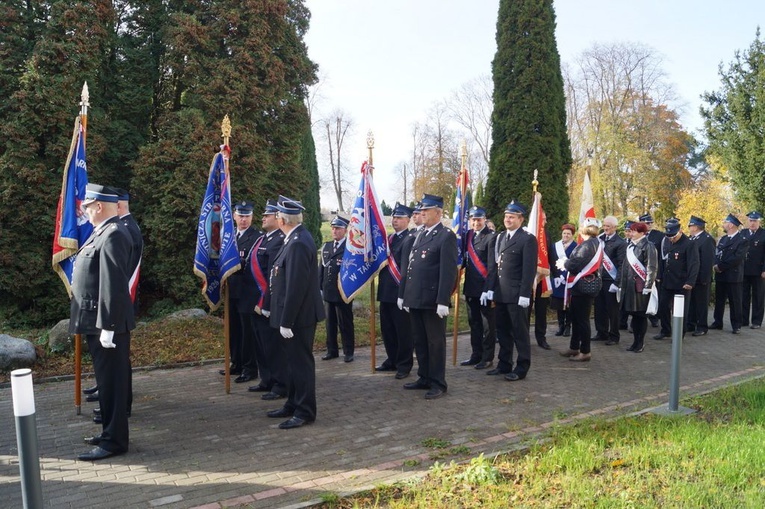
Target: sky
<point>386,62</point>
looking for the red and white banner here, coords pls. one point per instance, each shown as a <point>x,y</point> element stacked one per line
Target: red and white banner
<point>537,228</point>
<point>587,208</point>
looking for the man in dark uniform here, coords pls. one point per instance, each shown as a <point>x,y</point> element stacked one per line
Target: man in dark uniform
<point>476,262</point>
<point>102,310</point>
<point>624,315</point>
<point>541,303</point>
<point>296,308</point>
<point>123,211</point>
<point>729,274</point>
<point>656,238</point>
<point>705,244</point>
<point>754,272</point>
<point>512,269</point>
<point>606,305</point>
<point>339,313</point>
<point>426,291</point>
<point>681,270</point>
<point>268,348</point>
<point>241,334</point>
<point>394,322</point>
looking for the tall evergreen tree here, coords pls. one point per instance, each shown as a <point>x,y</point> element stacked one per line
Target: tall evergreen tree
<point>734,122</point>
<point>246,59</point>
<point>36,134</point>
<point>529,117</point>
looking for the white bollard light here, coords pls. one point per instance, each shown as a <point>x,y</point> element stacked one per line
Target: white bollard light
<point>26,437</point>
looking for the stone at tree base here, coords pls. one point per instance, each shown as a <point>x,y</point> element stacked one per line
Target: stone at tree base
<point>59,339</point>
<point>16,353</point>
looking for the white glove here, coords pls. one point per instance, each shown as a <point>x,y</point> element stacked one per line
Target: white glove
<point>524,302</point>
<point>285,332</point>
<point>559,281</point>
<point>265,313</point>
<point>646,291</point>
<point>406,308</point>
<point>400,303</point>
<point>561,263</point>
<point>613,288</point>
<point>484,299</point>
<point>442,311</point>
<point>321,292</point>
<point>107,339</point>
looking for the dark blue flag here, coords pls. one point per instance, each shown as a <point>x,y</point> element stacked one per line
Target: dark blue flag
<point>217,256</point>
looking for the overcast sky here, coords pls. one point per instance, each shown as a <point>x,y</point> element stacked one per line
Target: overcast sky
<point>386,62</point>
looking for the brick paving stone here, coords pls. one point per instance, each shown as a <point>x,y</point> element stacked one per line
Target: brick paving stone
<point>193,446</point>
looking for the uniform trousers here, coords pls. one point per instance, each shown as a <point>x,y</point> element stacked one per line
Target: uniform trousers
<point>396,331</point>
<point>754,296</point>
<point>607,313</point>
<point>699,310</point>
<point>234,335</point>
<point>112,368</point>
<point>540,314</point>
<point>249,352</point>
<point>482,339</point>
<point>513,331</point>
<point>731,292</point>
<point>429,333</point>
<point>340,315</point>
<point>639,328</point>
<point>581,306</point>
<point>666,304</point>
<point>301,373</point>
<point>270,352</point>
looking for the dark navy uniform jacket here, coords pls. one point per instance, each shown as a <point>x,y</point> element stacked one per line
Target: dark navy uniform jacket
<point>267,249</point>
<point>706,247</point>
<point>512,267</point>
<point>474,280</point>
<point>682,264</point>
<point>729,258</point>
<point>431,273</point>
<point>754,265</point>
<point>387,288</point>
<point>330,270</point>
<point>100,292</point>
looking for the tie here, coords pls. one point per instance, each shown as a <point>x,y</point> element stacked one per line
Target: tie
<point>334,249</point>
<point>238,235</point>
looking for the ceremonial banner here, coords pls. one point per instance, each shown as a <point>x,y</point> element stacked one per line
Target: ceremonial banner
<point>460,217</point>
<point>72,225</point>
<point>366,248</point>
<point>537,228</point>
<point>216,257</point>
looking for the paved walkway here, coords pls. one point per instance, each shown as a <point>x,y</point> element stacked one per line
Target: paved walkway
<point>193,446</point>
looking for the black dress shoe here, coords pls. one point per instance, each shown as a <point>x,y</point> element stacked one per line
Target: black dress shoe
<point>755,326</point>
<point>543,344</point>
<point>470,362</point>
<point>566,332</point>
<point>699,333</point>
<point>716,326</point>
<point>495,372</point>
<point>512,377</point>
<point>94,440</point>
<point>90,390</point>
<point>484,365</point>
<point>243,378</point>
<point>385,367</point>
<point>559,332</point>
<point>280,413</point>
<point>92,397</point>
<point>270,396</point>
<point>96,454</point>
<point>348,358</point>
<point>660,336</point>
<point>598,337</point>
<point>631,348</point>
<point>98,419</point>
<point>259,388</point>
<point>328,356</point>
<point>612,342</point>
<point>434,393</point>
<point>294,422</point>
<point>232,371</point>
<point>736,331</point>
<point>415,386</point>
<point>401,375</point>
<point>638,349</point>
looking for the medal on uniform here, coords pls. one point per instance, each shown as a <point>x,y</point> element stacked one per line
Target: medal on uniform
<point>677,256</point>
<point>423,253</point>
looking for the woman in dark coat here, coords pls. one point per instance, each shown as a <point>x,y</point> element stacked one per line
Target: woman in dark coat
<point>581,305</point>
<point>636,282</point>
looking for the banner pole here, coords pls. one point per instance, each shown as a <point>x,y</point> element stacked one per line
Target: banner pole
<point>372,318</point>
<point>84,103</point>
<point>456,317</point>
<point>225,128</point>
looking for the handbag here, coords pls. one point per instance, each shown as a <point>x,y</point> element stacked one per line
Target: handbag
<point>589,285</point>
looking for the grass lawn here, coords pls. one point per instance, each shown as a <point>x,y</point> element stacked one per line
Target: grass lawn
<point>714,458</point>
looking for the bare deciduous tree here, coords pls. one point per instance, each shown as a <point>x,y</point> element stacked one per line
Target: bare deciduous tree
<point>335,129</point>
<point>470,107</point>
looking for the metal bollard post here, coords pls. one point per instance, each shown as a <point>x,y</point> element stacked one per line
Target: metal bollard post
<point>26,438</point>
<point>674,376</point>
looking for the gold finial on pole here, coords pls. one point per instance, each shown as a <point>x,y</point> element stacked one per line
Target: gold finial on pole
<point>463,153</point>
<point>535,182</point>
<point>225,129</point>
<point>84,99</point>
<point>370,146</point>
